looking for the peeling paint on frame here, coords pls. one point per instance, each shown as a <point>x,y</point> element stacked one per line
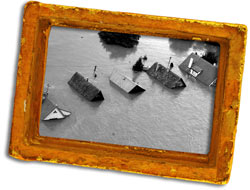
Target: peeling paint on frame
<point>26,144</point>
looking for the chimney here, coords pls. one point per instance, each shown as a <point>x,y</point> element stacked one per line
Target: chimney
<point>190,63</point>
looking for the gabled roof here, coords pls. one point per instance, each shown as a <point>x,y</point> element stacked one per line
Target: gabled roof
<point>125,83</point>
<point>47,108</point>
<point>209,72</point>
<point>85,88</point>
<point>165,76</point>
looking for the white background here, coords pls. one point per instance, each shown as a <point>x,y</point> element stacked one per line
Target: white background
<point>35,175</point>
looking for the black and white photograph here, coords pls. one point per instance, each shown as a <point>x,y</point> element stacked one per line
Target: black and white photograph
<point>119,92</point>
<point>129,89</point>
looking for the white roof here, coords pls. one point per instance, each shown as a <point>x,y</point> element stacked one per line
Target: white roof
<point>123,82</point>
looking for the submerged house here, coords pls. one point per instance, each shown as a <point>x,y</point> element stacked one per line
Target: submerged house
<point>85,88</point>
<point>200,69</point>
<point>125,83</point>
<point>50,111</point>
<point>165,76</point>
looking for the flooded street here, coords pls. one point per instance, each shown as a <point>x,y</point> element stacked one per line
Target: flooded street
<point>160,118</point>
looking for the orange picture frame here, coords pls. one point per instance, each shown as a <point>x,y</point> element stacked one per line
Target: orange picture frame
<point>26,144</point>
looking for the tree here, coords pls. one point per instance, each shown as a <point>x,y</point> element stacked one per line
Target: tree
<point>211,57</point>
<point>138,66</point>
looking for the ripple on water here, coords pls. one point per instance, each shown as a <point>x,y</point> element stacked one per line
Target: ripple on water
<point>157,118</point>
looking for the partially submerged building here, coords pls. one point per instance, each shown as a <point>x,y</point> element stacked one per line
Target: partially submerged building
<point>85,88</point>
<point>125,83</point>
<point>200,69</point>
<point>165,76</point>
<point>50,111</point>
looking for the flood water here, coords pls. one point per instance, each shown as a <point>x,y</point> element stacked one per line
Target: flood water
<point>161,118</point>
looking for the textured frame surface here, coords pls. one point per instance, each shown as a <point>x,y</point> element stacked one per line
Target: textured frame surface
<point>26,144</point>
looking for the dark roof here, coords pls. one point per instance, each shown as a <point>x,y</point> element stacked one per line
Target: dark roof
<point>47,108</point>
<point>85,88</point>
<point>166,77</point>
<point>209,72</point>
<point>196,68</point>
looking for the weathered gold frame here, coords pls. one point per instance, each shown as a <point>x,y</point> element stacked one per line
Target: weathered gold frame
<point>26,144</point>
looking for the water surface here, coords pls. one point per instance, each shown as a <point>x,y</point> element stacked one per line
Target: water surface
<point>161,118</point>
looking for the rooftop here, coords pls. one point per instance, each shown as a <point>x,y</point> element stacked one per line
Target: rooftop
<point>47,107</point>
<point>165,76</point>
<point>125,83</point>
<point>209,72</point>
<point>85,88</point>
